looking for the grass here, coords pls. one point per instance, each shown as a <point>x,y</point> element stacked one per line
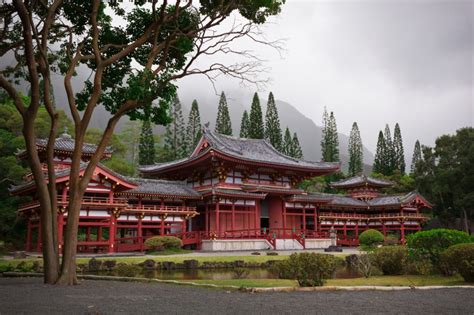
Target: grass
<point>170,251</point>
<point>402,280</point>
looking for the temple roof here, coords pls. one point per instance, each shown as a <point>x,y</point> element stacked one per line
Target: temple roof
<point>243,149</point>
<point>332,200</point>
<point>161,187</point>
<point>65,144</point>
<point>359,181</point>
<point>232,193</point>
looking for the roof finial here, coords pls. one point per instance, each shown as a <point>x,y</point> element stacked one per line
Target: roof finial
<point>66,134</point>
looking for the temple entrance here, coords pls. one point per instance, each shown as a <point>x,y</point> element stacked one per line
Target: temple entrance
<point>264,219</point>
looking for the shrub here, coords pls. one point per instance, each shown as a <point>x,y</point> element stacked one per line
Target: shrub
<point>430,244</point>
<point>94,265</point>
<point>370,239</point>
<point>309,269</point>
<point>272,254</point>
<point>391,259</point>
<point>420,266</point>
<point>109,265</point>
<point>240,273</point>
<point>364,264</point>
<point>460,258</point>
<point>163,242</point>
<point>124,270</point>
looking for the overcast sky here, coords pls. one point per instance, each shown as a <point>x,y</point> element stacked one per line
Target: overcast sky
<point>374,62</point>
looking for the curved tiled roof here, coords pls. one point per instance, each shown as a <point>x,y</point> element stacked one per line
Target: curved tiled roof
<point>65,143</point>
<point>361,181</point>
<point>161,187</point>
<point>252,150</point>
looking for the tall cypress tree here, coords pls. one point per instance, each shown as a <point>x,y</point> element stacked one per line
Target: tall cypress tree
<point>389,159</point>
<point>194,128</point>
<point>329,139</point>
<point>380,154</point>
<point>175,136</point>
<point>146,148</point>
<point>417,157</point>
<point>325,137</point>
<point>272,123</point>
<point>355,151</point>
<point>223,123</point>
<point>334,138</point>
<point>287,143</point>
<point>244,125</point>
<point>297,152</point>
<point>399,155</point>
<point>256,127</point>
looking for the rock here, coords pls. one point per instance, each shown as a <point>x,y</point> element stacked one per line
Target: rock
<point>168,265</point>
<point>94,265</point>
<point>191,264</point>
<point>109,265</point>
<point>238,263</point>
<point>148,264</point>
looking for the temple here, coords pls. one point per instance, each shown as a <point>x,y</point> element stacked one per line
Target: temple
<point>229,194</point>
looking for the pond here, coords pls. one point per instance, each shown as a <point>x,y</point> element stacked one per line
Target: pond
<point>222,274</point>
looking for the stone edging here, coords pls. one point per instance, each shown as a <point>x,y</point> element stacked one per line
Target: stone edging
<point>249,289</point>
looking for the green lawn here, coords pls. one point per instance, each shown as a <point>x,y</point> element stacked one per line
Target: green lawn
<point>403,280</point>
<point>372,281</point>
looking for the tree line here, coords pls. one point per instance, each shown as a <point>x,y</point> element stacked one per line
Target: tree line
<point>181,138</point>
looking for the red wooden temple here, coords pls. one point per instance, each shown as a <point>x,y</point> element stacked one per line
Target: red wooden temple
<point>229,194</point>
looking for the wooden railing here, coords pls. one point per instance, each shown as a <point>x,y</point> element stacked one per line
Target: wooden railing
<point>372,216</point>
<point>159,208</point>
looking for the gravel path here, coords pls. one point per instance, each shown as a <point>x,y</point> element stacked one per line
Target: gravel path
<point>29,295</point>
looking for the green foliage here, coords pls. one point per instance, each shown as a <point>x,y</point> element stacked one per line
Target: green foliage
<point>401,183</point>
<point>296,151</point>
<point>175,136</point>
<point>244,125</point>
<point>460,258</point>
<point>309,269</point>
<point>287,148</point>
<point>399,155</point>
<point>120,165</point>
<point>194,128</point>
<point>417,157</point>
<point>272,124</point>
<point>370,239</point>
<point>223,123</point>
<point>330,138</point>
<point>380,154</point>
<point>431,244</point>
<point>355,152</point>
<point>389,156</point>
<point>256,127</point>
<point>445,176</point>
<point>391,259</point>
<point>146,153</point>
<point>163,242</point>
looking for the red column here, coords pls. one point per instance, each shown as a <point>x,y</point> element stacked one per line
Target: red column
<point>112,232</point>
<point>304,219</point>
<point>283,205</point>
<point>162,227</point>
<point>183,227</point>
<point>111,196</point>
<point>357,230</point>
<point>218,227</point>
<point>60,229</point>
<point>402,232</point>
<point>315,226</point>
<point>206,218</point>
<point>64,194</point>
<point>383,228</point>
<point>233,216</point>
<point>28,236</point>
<point>38,241</point>
<point>345,228</point>
<point>139,231</point>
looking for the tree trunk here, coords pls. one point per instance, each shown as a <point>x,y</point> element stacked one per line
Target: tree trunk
<point>47,213</point>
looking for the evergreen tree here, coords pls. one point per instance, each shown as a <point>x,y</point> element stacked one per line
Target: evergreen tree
<point>380,153</point>
<point>272,124</point>
<point>297,152</point>
<point>287,143</point>
<point>399,155</point>
<point>146,148</point>
<point>244,125</point>
<point>223,123</point>
<point>355,151</point>
<point>325,136</point>
<point>175,136</point>
<point>194,128</point>
<point>417,157</point>
<point>256,127</point>
<point>334,138</point>
<point>389,159</point>
<point>329,139</point>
